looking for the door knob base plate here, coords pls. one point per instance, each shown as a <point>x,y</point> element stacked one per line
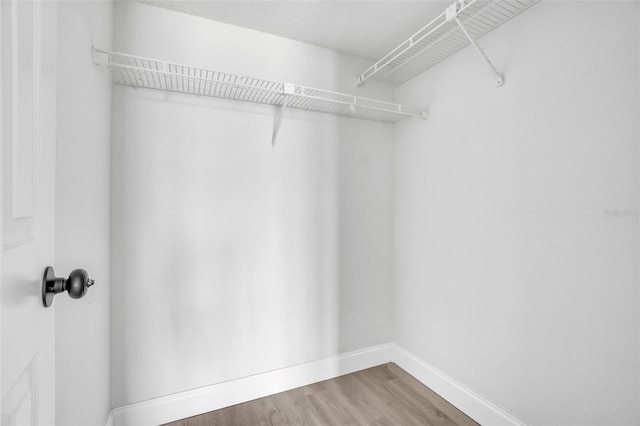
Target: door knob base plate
<point>48,281</point>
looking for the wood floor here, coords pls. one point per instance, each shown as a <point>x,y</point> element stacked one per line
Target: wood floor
<point>383,395</point>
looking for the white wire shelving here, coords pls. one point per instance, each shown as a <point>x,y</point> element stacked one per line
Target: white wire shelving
<point>140,72</point>
<point>458,26</point>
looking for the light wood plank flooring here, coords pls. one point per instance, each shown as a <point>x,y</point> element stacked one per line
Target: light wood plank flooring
<point>383,395</point>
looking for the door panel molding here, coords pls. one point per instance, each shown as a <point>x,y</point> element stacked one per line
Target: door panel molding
<point>20,404</point>
<point>21,76</point>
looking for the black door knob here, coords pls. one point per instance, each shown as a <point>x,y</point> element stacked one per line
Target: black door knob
<point>76,285</point>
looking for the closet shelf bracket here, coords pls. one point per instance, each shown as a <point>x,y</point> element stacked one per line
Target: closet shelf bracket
<point>289,89</point>
<point>452,14</point>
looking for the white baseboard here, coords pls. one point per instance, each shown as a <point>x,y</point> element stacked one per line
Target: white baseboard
<point>110,419</point>
<point>191,403</point>
<point>470,403</point>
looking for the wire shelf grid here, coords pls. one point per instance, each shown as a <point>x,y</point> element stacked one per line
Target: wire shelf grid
<point>441,38</point>
<point>140,72</point>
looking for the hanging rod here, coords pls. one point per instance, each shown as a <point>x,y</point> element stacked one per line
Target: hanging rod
<point>137,71</point>
<point>459,25</point>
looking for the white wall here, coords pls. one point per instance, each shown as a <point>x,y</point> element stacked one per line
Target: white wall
<point>231,258</point>
<point>82,213</point>
<point>509,277</point>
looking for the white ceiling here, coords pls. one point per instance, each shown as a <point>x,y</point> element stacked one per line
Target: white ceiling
<point>364,28</point>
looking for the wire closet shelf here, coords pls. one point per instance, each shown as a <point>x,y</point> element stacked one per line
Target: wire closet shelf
<point>443,37</point>
<point>140,72</point>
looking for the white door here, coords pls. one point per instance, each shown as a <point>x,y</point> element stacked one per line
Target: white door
<point>27,132</point>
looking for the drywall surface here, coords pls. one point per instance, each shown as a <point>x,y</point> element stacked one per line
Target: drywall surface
<point>345,26</point>
<point>230,257</point>
<point>82,213</point>
<point>516,217</point>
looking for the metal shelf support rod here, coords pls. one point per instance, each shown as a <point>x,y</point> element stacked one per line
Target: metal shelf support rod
<point>278,122</point>
<point>483,55</point>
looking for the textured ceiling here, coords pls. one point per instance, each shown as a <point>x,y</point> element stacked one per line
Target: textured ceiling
<point>368,29</point>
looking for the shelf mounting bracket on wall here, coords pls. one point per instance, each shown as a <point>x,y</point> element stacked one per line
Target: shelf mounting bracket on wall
<point>289,89</point>
<point>452,14</point>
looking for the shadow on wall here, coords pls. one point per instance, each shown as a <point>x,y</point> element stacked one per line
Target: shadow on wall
<point>231,258</point>
<point>234,258</point>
